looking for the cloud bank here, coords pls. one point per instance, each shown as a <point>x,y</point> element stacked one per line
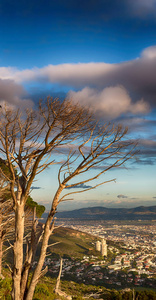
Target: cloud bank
<point>111,102</point>
<point>136,78</point>
<point>112,90</point>
<point>13,94</point>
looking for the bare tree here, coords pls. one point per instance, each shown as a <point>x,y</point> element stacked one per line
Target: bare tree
<point>57,289</point>
<point>29,144</point>
<point>7,219</point>
<point>6,225</point>
<point>6,209</point>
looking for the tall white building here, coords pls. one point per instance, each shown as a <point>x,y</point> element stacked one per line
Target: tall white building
<point>101,247</point>
<point>98,246</point>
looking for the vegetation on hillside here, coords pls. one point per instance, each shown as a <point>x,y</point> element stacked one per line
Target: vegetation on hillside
<point>72,243</point>
<point>45,290</point>
<point>77,244</point>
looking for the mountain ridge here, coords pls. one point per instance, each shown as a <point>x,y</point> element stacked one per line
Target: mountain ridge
<point>105,213</point>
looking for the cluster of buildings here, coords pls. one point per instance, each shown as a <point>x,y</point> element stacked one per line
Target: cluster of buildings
<point>132,236</point>
<point>128,256</point>
<point>90,270</point>
<point>133,245</point>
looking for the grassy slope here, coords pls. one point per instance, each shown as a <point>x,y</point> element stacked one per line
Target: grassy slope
<point>72,243</point>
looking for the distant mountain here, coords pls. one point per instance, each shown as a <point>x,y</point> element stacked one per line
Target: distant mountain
<point>103,213</point>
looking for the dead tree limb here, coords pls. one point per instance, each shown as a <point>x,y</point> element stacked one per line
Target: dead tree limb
<point>29,143</point>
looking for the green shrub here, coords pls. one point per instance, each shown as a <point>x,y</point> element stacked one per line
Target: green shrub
<point>42,289</point>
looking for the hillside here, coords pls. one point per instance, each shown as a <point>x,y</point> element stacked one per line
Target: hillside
<point>72,242</point>
<point>103,213</point>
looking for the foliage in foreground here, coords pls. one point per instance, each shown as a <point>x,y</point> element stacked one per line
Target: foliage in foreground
<point>45,290</point>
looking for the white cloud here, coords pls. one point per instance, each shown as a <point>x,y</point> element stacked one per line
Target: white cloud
<point>111,101</point>
<point>7,72</point>
<point>149,53</point>
<point>99,75</point>
<point>66,74</point>
<point>102,80</point>
<point>76,74</point>
<point>13,94</point>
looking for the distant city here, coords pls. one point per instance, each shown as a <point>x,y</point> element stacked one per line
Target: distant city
<point>126,253</point>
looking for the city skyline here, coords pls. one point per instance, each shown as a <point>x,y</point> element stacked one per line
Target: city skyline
<point>98,53</point>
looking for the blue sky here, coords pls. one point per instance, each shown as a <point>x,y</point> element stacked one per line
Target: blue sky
<point>101,53</point>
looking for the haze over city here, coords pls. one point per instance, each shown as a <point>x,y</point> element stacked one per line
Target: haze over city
<point>101,54</point>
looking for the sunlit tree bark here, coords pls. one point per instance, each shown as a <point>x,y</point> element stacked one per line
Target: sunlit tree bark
<point>7,216</point>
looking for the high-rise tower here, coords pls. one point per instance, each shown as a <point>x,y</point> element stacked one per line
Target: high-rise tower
<point>98,246</point>
<point>103,248</point>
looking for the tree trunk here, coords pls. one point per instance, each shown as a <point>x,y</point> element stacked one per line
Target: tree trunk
<point>24,279</point>
<point>47,232</point>
<point>2,233</point>
<point>38,271</point>
<point>57,290</point>
<point>1,244</point>
<point>1,254</point>
<point>18,250</point>
<point>59,277</point>
<point>30,253</point>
